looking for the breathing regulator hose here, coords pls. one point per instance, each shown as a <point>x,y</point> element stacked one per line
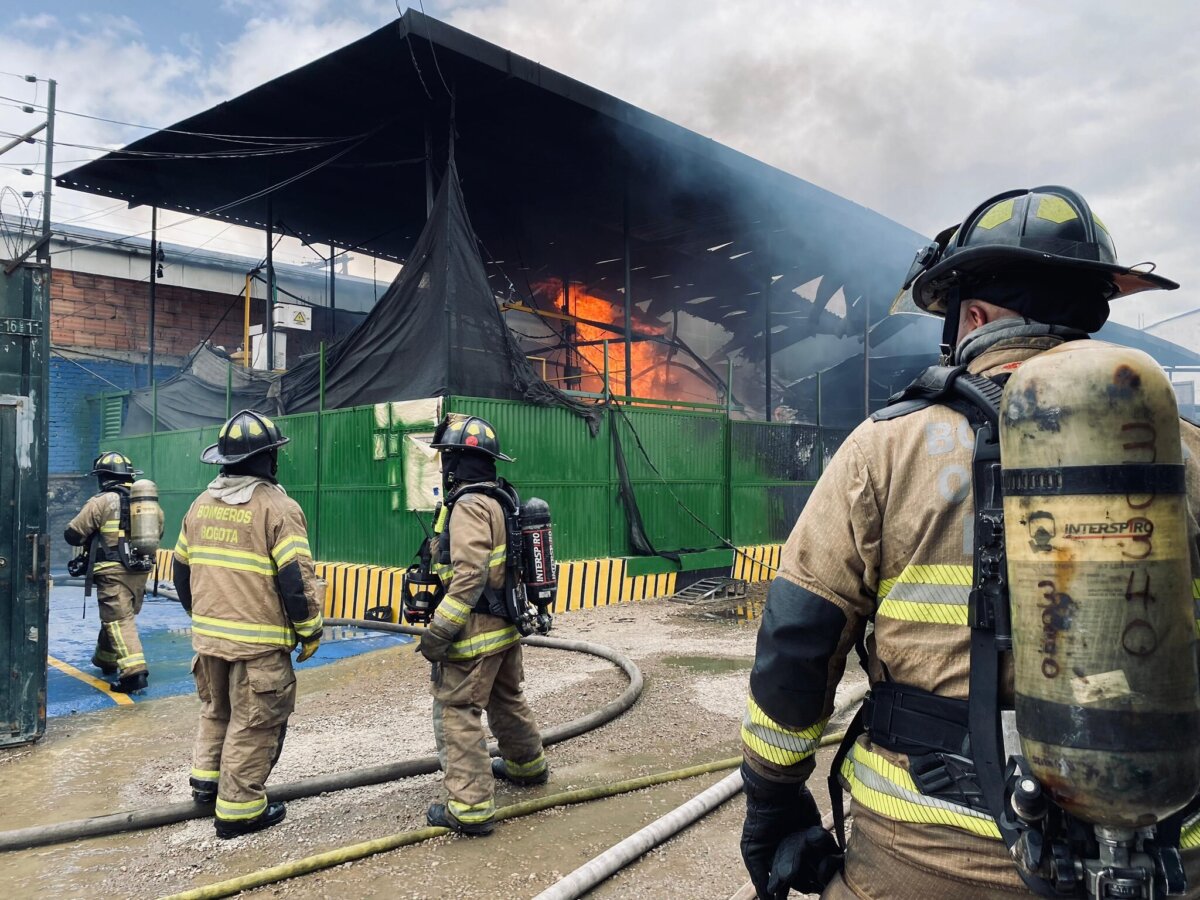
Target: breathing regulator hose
<point>171,813</point>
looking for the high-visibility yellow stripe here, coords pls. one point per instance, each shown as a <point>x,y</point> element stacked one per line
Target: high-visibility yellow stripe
<point>535,766</point>
<point>498,556</point>
<point>181,548</point>
<point>112,526</point>
<point>777,743</point>
<point>961,576</point>
<point>889,790</point>
<point>1196,588</point>
<point>243,632</point>
<point>205,775</point>
<point>453,610</point>
<point>227,809</point>
<point>488,641</point>
<point>288,549</point>
<point>309,627</point>
<point>238,560</point>
<point>105,566</point>
<point>472,813</point>
<point>933,613</point>
<point>933,594</point>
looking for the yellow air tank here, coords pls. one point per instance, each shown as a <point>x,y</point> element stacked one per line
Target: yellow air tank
<point>1099,567</point>
<point>144,518</point>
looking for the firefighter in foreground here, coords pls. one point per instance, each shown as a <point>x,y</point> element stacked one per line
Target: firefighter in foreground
<point>245,575</point>
<point>473,646</point>
<point>103,528</point>
<point>890,536</point>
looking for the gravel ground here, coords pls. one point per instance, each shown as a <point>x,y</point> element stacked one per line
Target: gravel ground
<point>374,709</point>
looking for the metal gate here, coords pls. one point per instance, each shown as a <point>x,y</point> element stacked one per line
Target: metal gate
<point>24,544</point>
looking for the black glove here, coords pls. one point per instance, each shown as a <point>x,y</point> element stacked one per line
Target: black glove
<point>806,861</point>
<point>433,647</point>
<point>774,811</point>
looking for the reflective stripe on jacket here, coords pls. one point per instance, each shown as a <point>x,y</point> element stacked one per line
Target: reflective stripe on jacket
<point>478,552</point>
<point>887,536</point>
<point>234,553</point>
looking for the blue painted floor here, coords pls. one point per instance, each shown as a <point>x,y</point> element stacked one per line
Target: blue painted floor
<point>75,686</point>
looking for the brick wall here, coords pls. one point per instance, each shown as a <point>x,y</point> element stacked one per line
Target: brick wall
<point>102,325</point>
<point>99,313</point>
<point>74,419</point>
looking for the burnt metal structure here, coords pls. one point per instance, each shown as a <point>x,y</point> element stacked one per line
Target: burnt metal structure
<point>625,201</point>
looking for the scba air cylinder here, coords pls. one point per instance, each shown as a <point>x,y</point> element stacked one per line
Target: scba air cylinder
<point>1099,567</point>
<point>539,570</point>
<point>145,518</point>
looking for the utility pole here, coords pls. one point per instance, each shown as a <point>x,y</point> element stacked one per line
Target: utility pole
<point>153,280</point>
<point>269,324</point>
<point>42,245</point>
<point>48,181</point>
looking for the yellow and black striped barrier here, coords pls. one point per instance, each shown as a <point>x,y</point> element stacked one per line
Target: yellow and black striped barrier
<point>758,563</point>
<point>353,589</point>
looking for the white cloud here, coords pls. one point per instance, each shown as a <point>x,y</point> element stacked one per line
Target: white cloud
<point>919,109</point>
<point>38,22</point>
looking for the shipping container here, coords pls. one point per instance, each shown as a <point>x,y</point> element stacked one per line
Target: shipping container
<point>24,544</point>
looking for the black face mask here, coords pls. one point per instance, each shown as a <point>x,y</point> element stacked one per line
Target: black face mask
<point>460,468</point>
<point>260,465</point>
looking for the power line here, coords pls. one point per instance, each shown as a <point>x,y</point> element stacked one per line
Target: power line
<point>217,210</point>
<point>125,154</point>
<point>248,138</point>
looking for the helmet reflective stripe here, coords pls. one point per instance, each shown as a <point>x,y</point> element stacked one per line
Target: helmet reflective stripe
<point>245,434</point>
<point>468,433</point>
<point>113,462</point>
<point>1038,233</point>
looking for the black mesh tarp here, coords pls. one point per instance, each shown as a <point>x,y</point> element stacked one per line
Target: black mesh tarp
<point>196,395</point>
<point>436,331</point>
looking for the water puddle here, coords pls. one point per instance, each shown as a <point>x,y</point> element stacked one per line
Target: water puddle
<point>742,609</point>
<point>709,665</point>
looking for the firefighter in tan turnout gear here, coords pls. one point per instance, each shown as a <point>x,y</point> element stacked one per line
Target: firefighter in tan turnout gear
<point>244,573</point>
<point>888,537</point>
<point>474,648</point>
<point>120,576</point>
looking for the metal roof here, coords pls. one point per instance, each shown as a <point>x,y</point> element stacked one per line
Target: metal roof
<point>553,172</point>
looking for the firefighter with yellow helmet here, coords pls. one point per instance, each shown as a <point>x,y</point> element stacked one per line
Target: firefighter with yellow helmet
<point>897,555</point>
<point>103,528</point>
<point>471,640</point>
<point>244,572</point>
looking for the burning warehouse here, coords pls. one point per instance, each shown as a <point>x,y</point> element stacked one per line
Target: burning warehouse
<point>595,220</point>
<point>614,365</point>
<point>560,248</point>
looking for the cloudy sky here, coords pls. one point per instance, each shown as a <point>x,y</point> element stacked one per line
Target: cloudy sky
<point>916,108</point>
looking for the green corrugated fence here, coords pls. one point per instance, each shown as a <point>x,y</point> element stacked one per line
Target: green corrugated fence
<point>746,481</point>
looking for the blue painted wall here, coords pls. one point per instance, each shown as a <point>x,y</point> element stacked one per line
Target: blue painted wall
<point>74,421</point>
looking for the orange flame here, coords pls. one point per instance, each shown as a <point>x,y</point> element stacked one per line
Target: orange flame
<point>649,360</point>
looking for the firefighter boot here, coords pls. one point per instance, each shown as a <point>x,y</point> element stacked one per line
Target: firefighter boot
<point>438,815</point>
<point>203,791</point>
<point>128,684</point>
<point>500,770</point>
<point>231,828</point>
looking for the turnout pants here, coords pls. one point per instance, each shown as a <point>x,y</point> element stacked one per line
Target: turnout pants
<point>120,595</point>
<point>243,719</point>
<point>461,692</point>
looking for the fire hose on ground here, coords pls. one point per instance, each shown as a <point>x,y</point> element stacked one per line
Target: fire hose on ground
<point>171,813</point>
<point>576,883</point>
<point>617,857</point>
